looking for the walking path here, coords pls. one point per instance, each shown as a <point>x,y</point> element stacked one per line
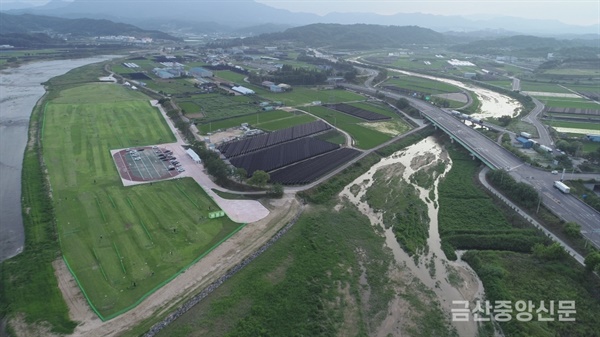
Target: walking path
<point>240,211</point>
<point>482,179</point>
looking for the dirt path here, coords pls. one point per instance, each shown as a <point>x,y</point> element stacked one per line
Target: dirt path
<point>211,267</point>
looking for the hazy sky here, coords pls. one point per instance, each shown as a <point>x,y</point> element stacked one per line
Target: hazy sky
<point>578,12</point>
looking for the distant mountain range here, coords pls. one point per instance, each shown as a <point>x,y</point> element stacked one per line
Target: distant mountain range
<point>28,29</point>
<point>231,15</point>
<point>357,36</point>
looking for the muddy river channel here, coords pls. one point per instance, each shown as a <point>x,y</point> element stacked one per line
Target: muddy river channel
<point>448,280</point>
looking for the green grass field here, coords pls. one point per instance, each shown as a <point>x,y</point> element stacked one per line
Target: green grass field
<point>364,138</point>
<point>122,243</point>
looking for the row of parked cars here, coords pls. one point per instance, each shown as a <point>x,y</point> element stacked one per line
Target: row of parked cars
<point>167,156</point>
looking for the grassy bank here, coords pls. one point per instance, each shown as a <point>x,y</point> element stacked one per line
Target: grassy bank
<point>28,285</point>
<point>513,261</point>
<point>309,282</point>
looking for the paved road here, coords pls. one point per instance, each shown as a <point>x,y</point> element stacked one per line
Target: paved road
<point>566,207</point>
<point>533,118</point>
<point>516,84</point>
<point>524,214</point>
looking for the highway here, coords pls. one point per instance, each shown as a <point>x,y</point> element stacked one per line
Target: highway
<point>566,207</point>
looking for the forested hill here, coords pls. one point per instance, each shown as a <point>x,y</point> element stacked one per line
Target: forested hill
<point>525,45</point>
<point>29,24</point>
<point>358,36</point>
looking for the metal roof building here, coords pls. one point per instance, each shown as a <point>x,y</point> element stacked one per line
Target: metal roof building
<point>194,156</point>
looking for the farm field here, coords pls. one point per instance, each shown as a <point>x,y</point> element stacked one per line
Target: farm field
<point>422,85</point>
<point>121,243</point>
<point>575,125</point>
<point>364,138</point>
<point>543,87</point>
<point>305,95</point>
<point>267,120</point>
<point>286,122</point>
<point>578,103</point>
<point>172,86</point>
<point>217,106</point>
<point>231,76</point>
<point>500,83</point>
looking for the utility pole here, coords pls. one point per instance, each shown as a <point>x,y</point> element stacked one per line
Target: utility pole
<point>563,174</point>
<point>539,201</point>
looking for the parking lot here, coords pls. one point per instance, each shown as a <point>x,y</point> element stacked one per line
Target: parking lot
<point>144,164</point>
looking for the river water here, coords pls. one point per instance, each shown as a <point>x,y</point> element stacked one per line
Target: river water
<point>493,104</point>
<point>422,155</point>
<point>20,89</point>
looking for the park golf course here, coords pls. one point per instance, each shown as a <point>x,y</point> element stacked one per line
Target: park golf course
<point>120,243</point>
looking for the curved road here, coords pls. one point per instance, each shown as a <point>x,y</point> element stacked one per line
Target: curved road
<point>566,207</point>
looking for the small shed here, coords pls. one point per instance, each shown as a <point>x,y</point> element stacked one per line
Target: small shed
<point>194,156</point>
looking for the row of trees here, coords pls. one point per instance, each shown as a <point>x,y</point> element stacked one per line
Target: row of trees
<point>290,75</point>
<point>521,193</point>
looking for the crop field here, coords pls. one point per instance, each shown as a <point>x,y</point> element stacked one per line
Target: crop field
<point>543,87</point>
<point>376,107</point>
<point>358,112</point>
<point>267,120</point>
<point>312,169</point>
<point>422,85</point>
<point>172,86</point>
<point>305,95</point>
<point>333,136</point>
<point>575,125</point>
<point>364,137</point>
<point>580,88</point>
<point>217,106</point>
<point>500,83</point>
<point>287,122</point>
<point>578,103</point>
<point>231,76</point>
<point>121,243</point>
<point>188,107</point>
